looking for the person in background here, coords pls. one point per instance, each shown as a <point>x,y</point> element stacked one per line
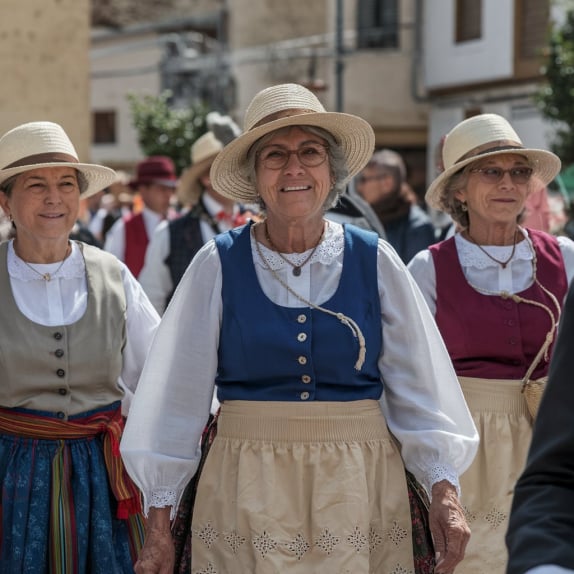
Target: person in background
<point>541,527</point>
<point>307,329</point>
<point>116,202</point>
<point>174,243</point>
<point>128,238</point>
<point>75,328</point>
<point>382,183</point>
<point>496,290</point>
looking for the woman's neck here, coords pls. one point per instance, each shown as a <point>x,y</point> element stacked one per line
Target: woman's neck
<point>493,234</point>
<point>41,252</point>
<point>290,237</point>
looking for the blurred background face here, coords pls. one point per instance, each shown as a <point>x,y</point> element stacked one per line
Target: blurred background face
<point>156,197</point>
<point>374,183</point>
<point>44,203</point>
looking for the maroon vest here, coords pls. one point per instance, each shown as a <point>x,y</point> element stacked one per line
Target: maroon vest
<point>488,336</point>
<point>136,242</point>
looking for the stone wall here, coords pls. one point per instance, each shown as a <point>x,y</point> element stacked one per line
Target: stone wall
<point>44,66</point>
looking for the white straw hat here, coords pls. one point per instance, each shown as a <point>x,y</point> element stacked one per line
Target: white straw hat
<point>203,151</point>
<point>483,136</point>
<point>278,107</point>
<point>37,145</point>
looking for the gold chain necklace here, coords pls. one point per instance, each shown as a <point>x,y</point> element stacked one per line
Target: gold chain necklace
<point>296,268</point>
<point>49,276</point>
<point>503,264</point>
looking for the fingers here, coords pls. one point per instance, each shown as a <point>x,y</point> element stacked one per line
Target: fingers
<point>449,529</point>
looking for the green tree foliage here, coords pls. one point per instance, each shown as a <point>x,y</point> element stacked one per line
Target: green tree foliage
<point>556,97</point>
<point>163,130</point>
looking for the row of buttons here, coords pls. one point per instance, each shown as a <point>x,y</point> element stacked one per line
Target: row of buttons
<point>302,337</point>
<point>60,372</point>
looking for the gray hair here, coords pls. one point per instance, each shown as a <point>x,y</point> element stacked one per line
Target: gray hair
<point>337,161</point>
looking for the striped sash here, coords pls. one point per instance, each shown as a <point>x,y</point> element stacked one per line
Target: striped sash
<point>107,422</point>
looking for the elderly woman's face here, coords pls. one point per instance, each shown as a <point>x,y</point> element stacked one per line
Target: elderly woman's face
<point>497,189</point>
<point>293,175</point>
<point>44,202</point>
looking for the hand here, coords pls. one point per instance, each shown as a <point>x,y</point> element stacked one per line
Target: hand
<point>448,526</point>
<point>158,553</point>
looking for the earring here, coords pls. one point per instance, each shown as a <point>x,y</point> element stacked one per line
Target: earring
<point>464,207</point>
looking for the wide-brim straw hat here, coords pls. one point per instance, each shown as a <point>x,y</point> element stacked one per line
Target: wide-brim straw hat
<point>203,151</point>
<point>37,145</point>
<point>481,137</point>
<point>279,107</point>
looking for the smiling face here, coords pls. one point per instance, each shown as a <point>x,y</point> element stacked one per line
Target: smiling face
<point>300,188</point>
<point>43,204</point>
<point>497,203</point>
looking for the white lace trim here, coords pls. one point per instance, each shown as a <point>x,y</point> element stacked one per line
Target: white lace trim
<point>437,472</point>
<point>471,255</point>
<point>329,249</point>
<point>162,499</point>
<point>72,268</point>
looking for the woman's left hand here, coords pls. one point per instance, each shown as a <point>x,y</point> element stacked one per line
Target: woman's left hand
<point>448,526</point>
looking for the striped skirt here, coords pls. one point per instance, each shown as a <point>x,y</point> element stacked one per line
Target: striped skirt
<point>314,488</point>
<point>58,514</point>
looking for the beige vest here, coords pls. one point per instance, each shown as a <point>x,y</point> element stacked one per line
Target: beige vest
<point>71,368</point>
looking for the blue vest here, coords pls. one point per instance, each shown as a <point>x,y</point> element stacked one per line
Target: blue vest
<point>273,353</point>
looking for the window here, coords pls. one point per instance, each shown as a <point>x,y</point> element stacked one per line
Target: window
<point>377,24</point>
<point>533,30</point>
<point>104,127</point>
<point>468,20</point>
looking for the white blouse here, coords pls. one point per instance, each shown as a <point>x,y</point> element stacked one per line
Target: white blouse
<point>63,300</point>
<point>422,400</point>
<point>484,273</point>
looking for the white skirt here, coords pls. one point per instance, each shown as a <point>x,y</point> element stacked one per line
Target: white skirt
<point>302,489</point>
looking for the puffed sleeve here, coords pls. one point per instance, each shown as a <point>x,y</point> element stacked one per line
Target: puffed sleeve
<point>422,398</point>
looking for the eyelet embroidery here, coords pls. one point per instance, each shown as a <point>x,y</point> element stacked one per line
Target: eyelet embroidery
<point>234,540</point>
<point>209,569</point>
<point>357,540</point>
<point>375,539</point>
<point>264,544</point>
<point>208,535</point>
<point>327,541</point>
<point>495,518</point>
<point>298,546</point>
<point>396,534</point>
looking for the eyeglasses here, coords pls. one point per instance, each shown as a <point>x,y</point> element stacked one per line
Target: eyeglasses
<point>492,175</point>
<point>277,157</point>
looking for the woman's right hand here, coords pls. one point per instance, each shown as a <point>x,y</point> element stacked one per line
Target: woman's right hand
<point>158,553</point>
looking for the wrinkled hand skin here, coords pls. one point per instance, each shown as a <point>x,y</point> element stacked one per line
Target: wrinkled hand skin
<point>158,553</point>
<point>448,526</point>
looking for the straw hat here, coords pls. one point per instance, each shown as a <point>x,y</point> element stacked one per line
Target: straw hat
<point>278,107</point>
<point>37,145</point>
<point>203,151</point>
<point>483,136</point>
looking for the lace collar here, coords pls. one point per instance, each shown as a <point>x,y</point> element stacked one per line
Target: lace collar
<point>72,268</point>
<point>471,256</point>
<point>329,249</point>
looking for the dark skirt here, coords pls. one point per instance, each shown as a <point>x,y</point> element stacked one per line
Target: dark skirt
<point>95,541</point>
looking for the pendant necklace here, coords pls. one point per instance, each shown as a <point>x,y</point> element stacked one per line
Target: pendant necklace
<point>49,276</point>
<point>296,268</point>
<point>503,264</point>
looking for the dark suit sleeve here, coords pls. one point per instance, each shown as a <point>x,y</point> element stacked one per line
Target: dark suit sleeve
<point>541,529</point>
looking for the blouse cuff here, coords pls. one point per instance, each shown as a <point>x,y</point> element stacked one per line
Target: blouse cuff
<point>438,472</point>
<point>161,499</point>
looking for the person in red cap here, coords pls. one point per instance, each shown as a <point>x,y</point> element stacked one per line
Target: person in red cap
<point>129,237</point>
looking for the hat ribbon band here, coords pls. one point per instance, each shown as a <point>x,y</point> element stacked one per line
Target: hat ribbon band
<point>282,114</point>
<point>478,151</point>
<point>43,158</point>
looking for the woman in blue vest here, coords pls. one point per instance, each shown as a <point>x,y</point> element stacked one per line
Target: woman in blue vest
<point>75,327</point>
<point>496,290</point>
<point>333,379</point>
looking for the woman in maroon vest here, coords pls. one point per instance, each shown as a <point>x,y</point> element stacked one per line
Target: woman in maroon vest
<point>496,290</point>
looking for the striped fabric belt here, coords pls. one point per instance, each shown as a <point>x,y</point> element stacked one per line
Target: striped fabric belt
<point>107,422</point>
